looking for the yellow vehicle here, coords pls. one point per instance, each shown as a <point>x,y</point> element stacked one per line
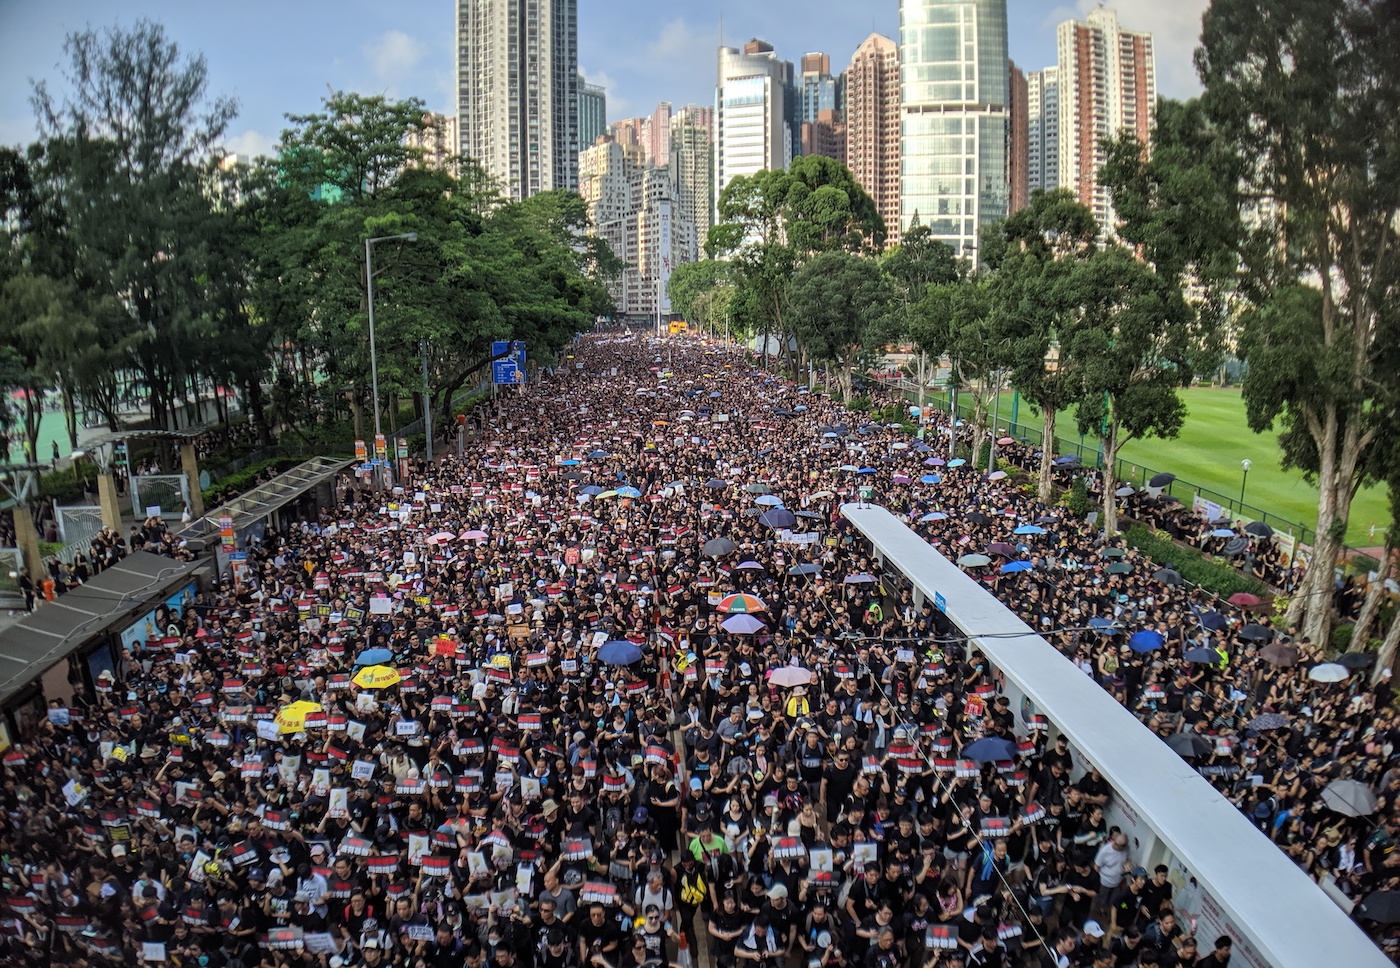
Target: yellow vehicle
<point>678,326</point>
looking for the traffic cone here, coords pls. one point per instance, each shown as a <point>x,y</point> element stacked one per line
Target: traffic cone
<point>683,951</point>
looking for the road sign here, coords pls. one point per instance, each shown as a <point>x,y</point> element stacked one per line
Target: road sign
<point>939,602</point>
<point>508,369</point>
<point>381,448</point>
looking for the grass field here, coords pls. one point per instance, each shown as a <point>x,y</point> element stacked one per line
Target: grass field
<point>1207,454</point>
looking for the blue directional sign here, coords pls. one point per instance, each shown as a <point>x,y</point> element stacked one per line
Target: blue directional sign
<point>939,602</point>
<point>508,370</point>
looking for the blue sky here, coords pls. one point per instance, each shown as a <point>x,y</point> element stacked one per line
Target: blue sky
<point>277,58</point>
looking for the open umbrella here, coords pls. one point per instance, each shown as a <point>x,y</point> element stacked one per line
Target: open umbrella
<point>808,568</point>
<point>440,537</point>
<point>756,488</point>
<point>1013,567</point>
<point>619,652</point>
<point>1029,529</point>
<point>1223,533</point>
<point>631,492</point>
<point>996,475</point>
<point>1201,656</point>
<point>716,484</point>
<point>1236,547</point>
<point>1213,621</point>
<point>768,501</point>
<point>933,516</point>
<point>741,604</point>
<point>1119,568</point>
<point>1256,633</point>
<point>1259,529</point>
<point>788,676</point>
<point>1279,654</point>
<point>742,624</point>
<point>1356,661</point>
<point>777,518</point>
<point>376,677</point>
<point>1190,745</point>
<point>1001,548</point>
<point>1161,480</point>
<point>1146,640</point>
<point>990,749</point>
<point>292,718</point>
<point>473,535</point>
<point>1103,625</point>
<point>1267,721</point>
<point>1329,672</point>
<point>861,579</point>
<point>974,561</point>
<point>719,547</point>
<point>930,479</point>
<point>809,515</point>
<point>1067,460</point>
<point>1114,553</point>
<point>1350,798</point>
<point>1244,600</point>
<point>373,657</point>
<point>591,490</point>
<point>1167,576</point>
<point>977,517</point>
<point>1125,491</point>
<point>1382,907</point>
<point>1003,441</point>
<point>598,455</point>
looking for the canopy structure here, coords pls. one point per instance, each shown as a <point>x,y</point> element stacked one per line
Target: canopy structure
<point>264,499</point>
<point>113,599</point>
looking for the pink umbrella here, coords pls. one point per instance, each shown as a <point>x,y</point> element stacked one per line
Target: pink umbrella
<point>473,536</point>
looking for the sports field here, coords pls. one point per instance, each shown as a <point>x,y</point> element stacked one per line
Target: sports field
<point>1207,454</point>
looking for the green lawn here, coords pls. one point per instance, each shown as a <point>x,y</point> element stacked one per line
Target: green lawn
<point>1207,454</point>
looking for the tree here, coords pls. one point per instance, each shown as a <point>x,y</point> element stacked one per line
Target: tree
<point>917,262</point>
<point>1304,93</point>
<point>959,319</point>
<point>840,306</point>
<point>690,280</point>
<point>1132,349</point>
<point>1035,256</point>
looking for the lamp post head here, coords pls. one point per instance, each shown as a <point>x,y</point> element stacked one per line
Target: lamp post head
<point>409,236</point>
<point>1246,465</point>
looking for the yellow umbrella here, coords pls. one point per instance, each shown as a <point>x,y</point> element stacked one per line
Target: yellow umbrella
<point>606,494</point>
<point>376,677</point>
<point>292,719</point>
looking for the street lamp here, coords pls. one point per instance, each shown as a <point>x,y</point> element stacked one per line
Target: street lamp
<point>369,298</point>
<point>1244,466</point>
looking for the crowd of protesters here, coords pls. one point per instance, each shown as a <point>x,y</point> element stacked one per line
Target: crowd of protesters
<point>584,697</point>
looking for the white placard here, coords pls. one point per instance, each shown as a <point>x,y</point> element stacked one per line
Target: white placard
<point>362,770</point>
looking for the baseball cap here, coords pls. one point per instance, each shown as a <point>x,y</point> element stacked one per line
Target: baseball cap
<point>1093,929</point>
<point>1138,872</point>
<point>777,891</point>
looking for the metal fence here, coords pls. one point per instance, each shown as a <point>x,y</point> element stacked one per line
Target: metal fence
<point>11,561</point>
<point>168,492</point>
<point>1090,453</point>
<point>77,522</point>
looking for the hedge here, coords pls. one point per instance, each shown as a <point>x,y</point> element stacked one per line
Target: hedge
<point>1193,566</point>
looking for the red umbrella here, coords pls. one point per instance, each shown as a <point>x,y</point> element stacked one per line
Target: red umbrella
<point>1244,599</point>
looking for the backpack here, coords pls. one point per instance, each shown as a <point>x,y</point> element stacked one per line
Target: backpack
<point>693,888</point>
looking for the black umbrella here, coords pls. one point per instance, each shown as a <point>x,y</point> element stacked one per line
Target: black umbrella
<point>977,517</point>
<point>1161,480</point>
<point>1357,660</point>
<point>1167,576</point>
<point>1259,529</point>
<point>1236,547</point>
<point>719,547</point>
<point>1383,907</point>
<point>778,518</point>
<point>1253,632</point>
<point>807,568</point>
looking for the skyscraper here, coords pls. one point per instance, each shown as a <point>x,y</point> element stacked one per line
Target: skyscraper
<point>656,134</point>
<point>1043,130</point>
<point>690,167</point>
<point>1017,143</point>
<point>954,79</point>
<point>592,113</point>
<point>753,111</point>
<point>437,139</point>
<point>817,90</point>
<point>517,91</point>
<point>872,125</point>
<point>1108,85</point>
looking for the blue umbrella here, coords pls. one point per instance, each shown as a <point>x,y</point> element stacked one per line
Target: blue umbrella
<point>371,657</point>
<point>930,479</point>
<point>933,516</point>
<point>769,501</point>
<point>1213,621</point>
<point>956,462</point>
<point>777,518</point>
<point>867,470</point>
<point>1222,533</point>
<point>1012,567</point>
<point>1103,625</point>
<point>717,483</point>
<point>598,455</point>
<point>1146,640</point>
<point>1067,460</point>
<point>990,749</point>
<point>1029,529</point>
<point>619,652</point>
<point>571,462</point>
<point>714,394</point>
<point>591,490</point>
<point>1202,656</point>
<point>628,492</point>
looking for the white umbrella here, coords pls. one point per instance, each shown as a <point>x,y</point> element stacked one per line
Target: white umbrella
<point>1351,798</point>
<point>1329,672</point>
<point>788,676</point>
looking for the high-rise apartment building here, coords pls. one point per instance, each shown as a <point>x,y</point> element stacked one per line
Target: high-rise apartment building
<point>754,105</point>
<point>690,169</point>
<point>656,134</point>
<point>634,207</point>
<point>872,126</point>
<point>825,135</point>
<point>954,79</point>
<point>1017,141</point>
<point>437,139</point>
<point>592,113</point>
<point>517,91</point>
<point>1043,130</point>
<point>1108,85</point>
<point>817,89</point>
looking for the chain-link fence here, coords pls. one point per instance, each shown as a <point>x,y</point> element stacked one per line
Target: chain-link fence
<point>168,492</point>
<point>11,561</point>
<point>77,522</point>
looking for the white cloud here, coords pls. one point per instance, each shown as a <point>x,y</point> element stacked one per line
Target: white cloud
<point>1175,29</point>
<point>393,57</point>
<point>250,143</point>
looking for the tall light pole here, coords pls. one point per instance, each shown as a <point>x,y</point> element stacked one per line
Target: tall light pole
<point>369,298</point>
<point>1244,466</point>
